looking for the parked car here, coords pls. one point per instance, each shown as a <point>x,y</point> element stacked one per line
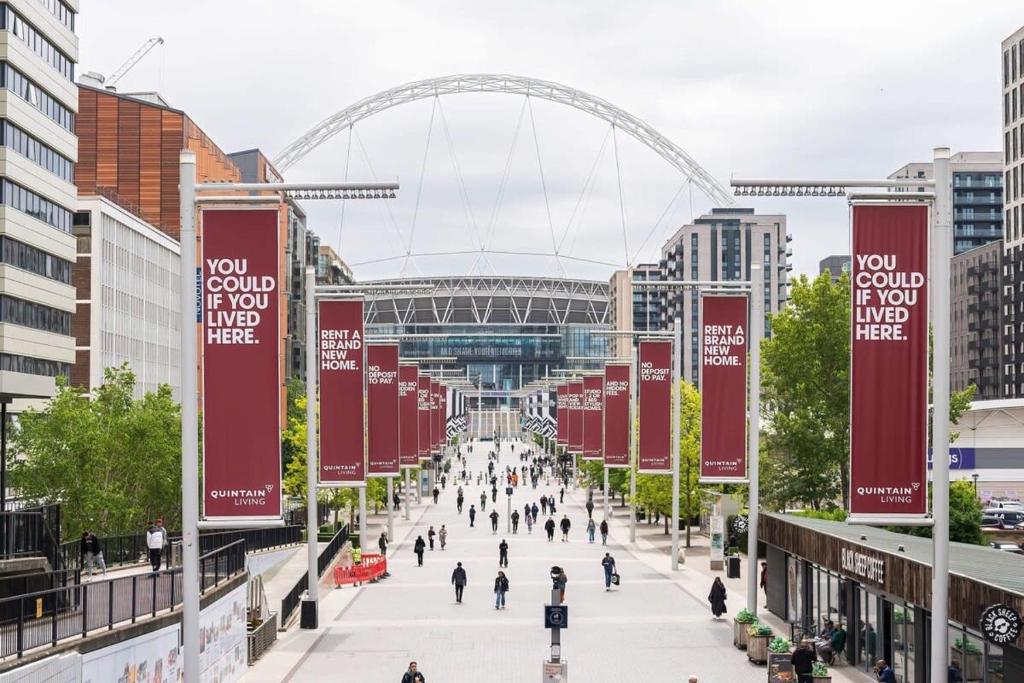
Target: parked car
<point>1007,519</point>
<point>1007,505</point>
<point>990,521</point>
<point>1007,547</point>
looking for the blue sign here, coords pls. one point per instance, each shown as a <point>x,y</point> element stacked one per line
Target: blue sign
<point>959,458</point>
<point>556,616</point>
<point>199,295</point>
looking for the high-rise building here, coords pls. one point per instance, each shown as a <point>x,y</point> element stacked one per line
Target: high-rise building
<point>331,269</point>
<point>38,55</point>
<point>721,246</point>
<point>977,182</point>
<point>975,327</point>
<point>834,265</point>
<point>1013,208</point>
<point>633,308</point>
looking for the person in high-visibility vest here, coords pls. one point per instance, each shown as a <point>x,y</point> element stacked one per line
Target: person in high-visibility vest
<point>357,555</point>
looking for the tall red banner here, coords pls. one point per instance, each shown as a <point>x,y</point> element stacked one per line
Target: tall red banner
<point>382,410</point>
<point>654,404</point>
<point>340,357</point>
<point>593,417</point>
<point>562,415</point>
<point>616,415</point>
<point>723,385</point>
<point>436,417</point>
<point>574,410</point>
<point>423,408</point>
<point>444,414</point>
<point>241,365</point>
<point>889,364</point>
<point>408,415</point>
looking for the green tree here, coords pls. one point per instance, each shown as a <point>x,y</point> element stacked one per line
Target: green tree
<point>964,515</point>
<point>111,460</point>
<point>295,389</point>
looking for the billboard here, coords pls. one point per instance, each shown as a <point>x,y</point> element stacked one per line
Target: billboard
<point>382,410</point>
<point>723,388</point>
<point>423,408</point>
<point>340,357</point>
<point>436,417</point>
<point>562,415</point>
<point>574,410</point>
<point>593,417</point>
<point>616,415</point>
<point>654,406</point>
<point>408,415</point>
<point>241,365</point>
<point>889,362</point>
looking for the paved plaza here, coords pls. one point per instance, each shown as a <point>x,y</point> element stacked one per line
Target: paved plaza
<point>653,628</point>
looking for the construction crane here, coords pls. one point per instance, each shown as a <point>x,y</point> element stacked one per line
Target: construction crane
<point>132,61</point>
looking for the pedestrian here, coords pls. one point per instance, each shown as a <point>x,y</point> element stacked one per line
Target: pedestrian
<point>561,495</point>
<point>458,502</point>
<point>494,493</point>
<point>418,548</point>
<point>565,524</point>
<point>437,492</point>
<point>955,675</point>
<point>155,545</point>
<point>534,510</point>
<point>413,675</point>
<point>544,504</point>
<point>764,579</point>
<point>591,528</point>
<point>562,580</point>
<point>503,553</point>
<point>396,499</point>
<point>97,554</point>
<point>442,536</point>
<point>444,480</point>
<point>717,598</point>
<point>529,524</point>
<point>382,543</point>
<point>608,563</point>
<point>549,526</point>
<point>551,504</point>
<point>884,672</point>
<point>472,515</point>
<point>430,536</point>
<point>483,500</point>
<point>167,540</point>
<point>590,507</point>
<point>85,552</point>
<point>459,581</point>
<point>515,521</point>
<point>604,532</point>
<point>803,663</point>
<point>500,588</point>
<point>494,521</point>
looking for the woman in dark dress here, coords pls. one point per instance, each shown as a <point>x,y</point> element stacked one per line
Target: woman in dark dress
<point>717,598</point>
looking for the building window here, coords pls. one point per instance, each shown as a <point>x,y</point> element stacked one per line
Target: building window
<point>29,147</point>
<point>17,197</point>
<point>20,85</point>
<point>33,366</point>
<point>15,24</point>
<point>20,255</point>
<point>60,9</point>
<point>37,316</point>
<point>694,256</point>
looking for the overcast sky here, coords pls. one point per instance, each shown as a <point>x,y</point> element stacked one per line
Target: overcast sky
<point>748,88</point>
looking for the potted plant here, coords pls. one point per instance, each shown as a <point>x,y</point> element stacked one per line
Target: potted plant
<point>819,672</point>
<point>969,655</point>
<point>741,622</point>
<point>758,636</point>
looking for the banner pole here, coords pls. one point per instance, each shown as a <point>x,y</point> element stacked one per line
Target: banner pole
<point>189,419</point>
<point>606,505</point>
<point>754,443</point>
<point>391,507</point>
<point>633,394</point>
<point>677,348</point>
<point>363,527</point>
<point>407,492</point>
<point>942,246</point>
<point>312,461</point>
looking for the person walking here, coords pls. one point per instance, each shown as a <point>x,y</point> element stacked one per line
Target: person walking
<point>529,524</point>
<point>717,598</point>
<point>764,579</point>
<point>459,500</point>
<point>483,500</point>
<point>534,510</point>
<point>494,492</point>
<point>591,528</point>
<point>382,543</point>
<point>396,499</point>
<point>155,545</point>
<point>418,547</point>
<point>561,495</point>
<point>444,480</point>
<point>442,536</point>
<point>803,663</point>
<point>431,534</point>
<point>562,580</point>
<point>472,514</point>
<point>413,675</point>
<point>590,507</point>
<point>565,525</point>
<point>503,553</point>
<point>551,503</point>
<point>500,588</point>
<point>515,521</point>
<point>549,526</point>
<point>608,564</point>
<point>437,492</point>
<point>544,504</point>
<point>604,532</point>
<point>459,581</point>
<point>494,521</point>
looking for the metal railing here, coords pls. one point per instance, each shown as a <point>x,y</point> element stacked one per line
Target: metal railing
<point>30,531</point>
<point>262,637</point>
<point>290,602</point>
<point>50,616</point>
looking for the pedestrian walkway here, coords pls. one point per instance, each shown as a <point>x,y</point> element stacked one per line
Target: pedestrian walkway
<point>657,627</point>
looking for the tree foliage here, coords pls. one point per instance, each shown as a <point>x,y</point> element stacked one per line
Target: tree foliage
<point>111,460</point>
<point>964,515</point>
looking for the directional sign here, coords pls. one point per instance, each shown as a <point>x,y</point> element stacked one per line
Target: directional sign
<point>556,616</point>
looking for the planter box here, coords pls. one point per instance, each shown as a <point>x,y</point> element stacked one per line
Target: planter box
<point>822,679</point>
<point>739,634</point>
<point>757,648</point>
<point>970,663</point>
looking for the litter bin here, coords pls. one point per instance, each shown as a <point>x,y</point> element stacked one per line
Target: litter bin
<point>733,567</point>
<point>308,616</point>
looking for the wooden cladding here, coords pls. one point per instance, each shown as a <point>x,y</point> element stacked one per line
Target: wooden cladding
<point>904,578</point>
<point>128,151</point>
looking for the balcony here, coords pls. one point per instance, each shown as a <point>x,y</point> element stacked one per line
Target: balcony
<point>975,215</point>
<point>981,200</point>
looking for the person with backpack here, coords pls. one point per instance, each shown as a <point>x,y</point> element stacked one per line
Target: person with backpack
<point>549,526</point>
<point>608,564</point>
<point>500,588</point>
<point>503,553</point>
<point>418,547</point>
<point>604,532</point>
<point>459,581</point>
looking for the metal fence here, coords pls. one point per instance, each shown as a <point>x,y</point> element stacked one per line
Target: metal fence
<point>49,616</point>
<point>290,602</point>
<point>262,637</point>
<point>30,531</point>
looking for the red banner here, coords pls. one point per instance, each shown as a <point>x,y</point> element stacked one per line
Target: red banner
<point>723,385</point>
<point>340,351</point>
<point>444,414</point>
<point>408,415</point>
<point>436,418</point>
<point>423,408</point>
<point>382,410</point>
<point>562,415</point>
<point>574,409</point>
<point>654,388</point>
<point>616,415</point>
<point>241,365</point>
<point>889,364</point>
<point>593,417</point>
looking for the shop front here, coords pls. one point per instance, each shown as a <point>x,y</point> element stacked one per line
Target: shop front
<point>876,584</point>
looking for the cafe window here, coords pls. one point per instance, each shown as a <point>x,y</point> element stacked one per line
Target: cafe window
<point>794,589</point>
<point>980,662</point>
<point>904,650</point>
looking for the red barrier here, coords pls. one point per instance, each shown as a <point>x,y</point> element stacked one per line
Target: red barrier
<point>371,568</point>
